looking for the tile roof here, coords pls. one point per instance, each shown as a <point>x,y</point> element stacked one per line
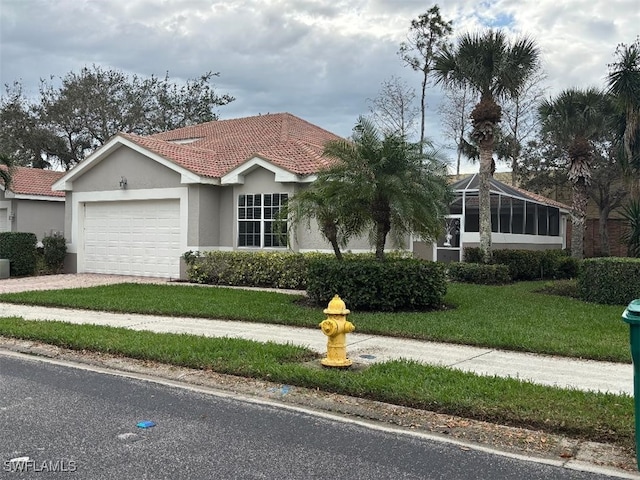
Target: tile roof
<point>215,148</point>
<point>34,181</point>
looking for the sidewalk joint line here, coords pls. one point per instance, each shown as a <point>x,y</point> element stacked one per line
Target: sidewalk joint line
<point>471,358</point>
<point>363,340</point>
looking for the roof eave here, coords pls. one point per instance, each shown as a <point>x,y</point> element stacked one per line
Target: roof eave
<point>186,175</point>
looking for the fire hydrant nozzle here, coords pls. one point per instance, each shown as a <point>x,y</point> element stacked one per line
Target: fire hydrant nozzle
<point>336,327</point>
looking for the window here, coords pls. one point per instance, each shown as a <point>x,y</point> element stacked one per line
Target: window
<point>530,219</point>
<point>471,214</point>
<point>542,220</point>
<point>505,214</point>
<point>554,221</point>
<point>517,219</point>
<point>258,224</point>
<point>495,202</point>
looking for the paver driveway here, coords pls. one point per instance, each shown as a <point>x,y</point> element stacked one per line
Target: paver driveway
<point>69,280</point>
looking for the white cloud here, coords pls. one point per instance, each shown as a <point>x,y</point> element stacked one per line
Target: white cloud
<point>318,59</point>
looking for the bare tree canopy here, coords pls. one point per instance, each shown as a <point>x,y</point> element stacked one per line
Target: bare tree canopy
<point>394,111</point>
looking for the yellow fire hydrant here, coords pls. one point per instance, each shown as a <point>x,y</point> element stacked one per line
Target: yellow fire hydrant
<point>336,327</point>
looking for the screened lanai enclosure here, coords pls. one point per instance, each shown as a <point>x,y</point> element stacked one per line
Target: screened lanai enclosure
<point>519,220</point>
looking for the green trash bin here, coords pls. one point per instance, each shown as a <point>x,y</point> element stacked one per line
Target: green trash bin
<point>631,315</point>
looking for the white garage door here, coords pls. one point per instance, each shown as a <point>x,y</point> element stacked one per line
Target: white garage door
<point>139,238</point>
<point>4,222</point>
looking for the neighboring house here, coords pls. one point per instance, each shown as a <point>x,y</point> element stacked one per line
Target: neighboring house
<point>519,220</point>
<point>29,204</point>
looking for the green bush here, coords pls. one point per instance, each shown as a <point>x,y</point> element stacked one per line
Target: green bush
<point>479,273</point>
<point>473,255</point>
<point>611,280</point>
<point>365,283</point>
<point>20,249</point>
<point>254,269</point>
<point>530,264</point>
<point>54,251</point>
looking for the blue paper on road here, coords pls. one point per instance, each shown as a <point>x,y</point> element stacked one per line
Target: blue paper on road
<point>146,424</point>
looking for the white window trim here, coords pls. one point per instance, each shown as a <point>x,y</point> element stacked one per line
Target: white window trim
<point>262,221</point>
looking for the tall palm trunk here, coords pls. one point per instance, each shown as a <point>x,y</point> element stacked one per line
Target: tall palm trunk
<point>485,116</point>
<point>580,178</point>
<point>484,197</point>
<point>578,217</point>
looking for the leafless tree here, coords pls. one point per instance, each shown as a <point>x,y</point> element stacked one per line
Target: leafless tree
<point>394,110</point>
<point>427,36</point>
<point>454,114</point>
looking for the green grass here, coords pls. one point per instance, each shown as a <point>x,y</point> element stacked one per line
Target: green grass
<point>594,416</point>
<point>513,317</point>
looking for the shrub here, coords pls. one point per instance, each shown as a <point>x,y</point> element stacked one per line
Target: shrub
<point>254,269</point>
<point>473,255</point>
<point>54,251</point>
<point>479,273</point>
<point>611,280</point>
<point>369,284</point>
<point>20,249</point>
<point>530,264</point>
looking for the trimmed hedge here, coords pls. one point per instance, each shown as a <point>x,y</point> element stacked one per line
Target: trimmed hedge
<point>479,273</point>
<point>369,284</point>
<point>254,269</point>
<point>20,249</point>
<point>610,280</point>
<point>530,264</point>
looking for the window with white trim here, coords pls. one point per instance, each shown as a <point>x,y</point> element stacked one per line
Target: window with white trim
<point>258,224</point>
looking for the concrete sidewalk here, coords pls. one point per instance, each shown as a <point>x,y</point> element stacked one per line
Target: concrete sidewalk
<point>541,369</point>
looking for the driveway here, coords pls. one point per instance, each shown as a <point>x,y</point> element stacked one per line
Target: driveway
<point>69,280</point>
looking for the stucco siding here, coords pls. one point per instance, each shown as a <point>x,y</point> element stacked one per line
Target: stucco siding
<point>226,216</point>
<point>140,173</point>
<point>204,216</point>
<point>41,217</point>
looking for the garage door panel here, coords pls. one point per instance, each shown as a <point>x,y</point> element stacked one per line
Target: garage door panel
<point>133,238</point>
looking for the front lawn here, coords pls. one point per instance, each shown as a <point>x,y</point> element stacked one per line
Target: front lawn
<point>587,415</point>
<point>512,317</point>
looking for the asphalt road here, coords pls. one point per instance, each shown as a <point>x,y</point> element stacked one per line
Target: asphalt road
<point>74,423</point>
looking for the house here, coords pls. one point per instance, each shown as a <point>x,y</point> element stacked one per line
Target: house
<point>137,204</point>
<point>519,220</point>
<point>29,204</point>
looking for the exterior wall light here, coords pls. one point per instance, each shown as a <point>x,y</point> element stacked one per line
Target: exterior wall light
<point>123,183</point>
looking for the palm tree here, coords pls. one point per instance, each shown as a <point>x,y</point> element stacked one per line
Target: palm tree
<point>387,183</point>
<point>574,119</point>
<point>623,84</point>
<point>6,164</point>
<point>495,69</point>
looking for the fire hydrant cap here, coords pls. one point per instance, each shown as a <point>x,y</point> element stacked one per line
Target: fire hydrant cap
<point>631,314</point>
<point>336,307</point>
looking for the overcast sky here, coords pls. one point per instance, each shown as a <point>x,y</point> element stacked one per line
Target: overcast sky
<point>317,59</point>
